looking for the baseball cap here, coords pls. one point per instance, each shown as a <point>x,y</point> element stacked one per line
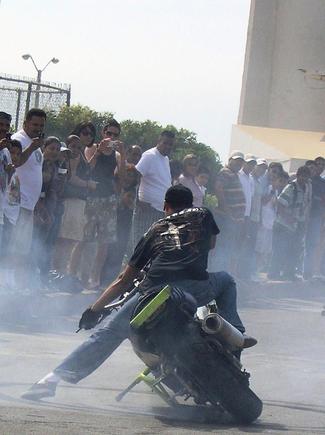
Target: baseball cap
<point>236,155</point>
<point>261,162</point>
<point>179,196</point>
<point>250,158</point>
<point>64,148</point>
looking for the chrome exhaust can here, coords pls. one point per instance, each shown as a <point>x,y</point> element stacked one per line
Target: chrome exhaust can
<point>216,325</point>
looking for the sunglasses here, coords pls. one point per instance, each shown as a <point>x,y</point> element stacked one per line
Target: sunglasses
<point>111,134</point>
<point>87,133</point>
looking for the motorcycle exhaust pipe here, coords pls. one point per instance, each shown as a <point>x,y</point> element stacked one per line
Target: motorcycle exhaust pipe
<point>214,324</point>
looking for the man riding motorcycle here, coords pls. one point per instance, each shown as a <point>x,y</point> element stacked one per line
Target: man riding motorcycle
<point>175,251</point>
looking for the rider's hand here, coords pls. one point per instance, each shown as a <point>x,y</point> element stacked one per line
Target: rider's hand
<point>89,319</point>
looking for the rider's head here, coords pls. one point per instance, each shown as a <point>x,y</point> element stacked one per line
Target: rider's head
<point>177,198</point>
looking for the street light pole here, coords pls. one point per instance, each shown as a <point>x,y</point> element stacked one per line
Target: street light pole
<point>39,74</point>
<point>38,87</point>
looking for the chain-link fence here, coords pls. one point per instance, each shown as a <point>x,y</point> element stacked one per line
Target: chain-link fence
<point>19,94</point>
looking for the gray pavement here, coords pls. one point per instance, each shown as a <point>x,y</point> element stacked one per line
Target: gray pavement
<point>287,368</point>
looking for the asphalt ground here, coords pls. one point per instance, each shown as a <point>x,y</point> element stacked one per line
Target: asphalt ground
<point>287,368</point>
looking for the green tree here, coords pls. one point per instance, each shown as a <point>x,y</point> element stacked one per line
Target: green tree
<point>62,123</point>
<point>143,133</point>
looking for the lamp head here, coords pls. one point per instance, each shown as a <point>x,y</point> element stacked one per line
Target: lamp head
<point>54,60</point>
<point>26,56</point>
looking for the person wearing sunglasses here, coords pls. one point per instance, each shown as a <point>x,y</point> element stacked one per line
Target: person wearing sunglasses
<point>107,163</point>
<point>190,166</point>
<point>87,133</point>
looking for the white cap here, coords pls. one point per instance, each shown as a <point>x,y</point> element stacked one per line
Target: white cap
<point>236,155</point>
<point>261,162</point>
<point>64,147</point>
<point>250,158</point>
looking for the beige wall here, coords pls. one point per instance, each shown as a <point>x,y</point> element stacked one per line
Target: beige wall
<point>283,36</point>
<point>250,145</point>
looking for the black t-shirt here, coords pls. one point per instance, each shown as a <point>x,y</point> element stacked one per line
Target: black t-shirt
<point>103,174</point>
<point>177,247</point>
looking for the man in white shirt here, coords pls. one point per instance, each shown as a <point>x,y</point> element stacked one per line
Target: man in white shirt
<point>155,180</point>
<point>247,182</point>
<point>30,176</point>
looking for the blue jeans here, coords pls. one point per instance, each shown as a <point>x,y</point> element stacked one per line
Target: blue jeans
<point>102,343</point>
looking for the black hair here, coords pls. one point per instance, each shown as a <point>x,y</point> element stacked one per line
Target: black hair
<point>310,162</point>
<point>82,126</point>
<point>112,123</point>
<point>276,165</point>
<point>179,197</point>
<point>6,116</point>
<point>168,133</point>
<point>35,112</point>
<point>303,170</point>
<point>320,158</point>
<point>14,143</point>
<point>50,140</point>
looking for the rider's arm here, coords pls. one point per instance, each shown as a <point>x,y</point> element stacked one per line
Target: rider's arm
<point>117,288</point>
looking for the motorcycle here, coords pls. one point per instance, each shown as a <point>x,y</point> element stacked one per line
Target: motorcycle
<point>187,357</point>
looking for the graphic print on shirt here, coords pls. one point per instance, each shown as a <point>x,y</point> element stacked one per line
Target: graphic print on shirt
<point>182,231</point>
<point>172,234</point>
<point>38,156</point>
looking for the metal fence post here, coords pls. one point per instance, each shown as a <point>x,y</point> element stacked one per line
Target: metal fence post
<point>19,91</point>
<point>69,97</point>
<point>29,93</point>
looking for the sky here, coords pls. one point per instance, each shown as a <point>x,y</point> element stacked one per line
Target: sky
<point>176,62</point>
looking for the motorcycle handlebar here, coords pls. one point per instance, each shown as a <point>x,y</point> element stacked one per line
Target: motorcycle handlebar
<point>120,302</point>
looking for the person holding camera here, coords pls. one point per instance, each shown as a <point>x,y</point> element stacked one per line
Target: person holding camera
<point>107,163</point>
<point>30,175</point>
<point>5,160</point>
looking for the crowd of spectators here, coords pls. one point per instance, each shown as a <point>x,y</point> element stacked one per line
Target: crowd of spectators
<point>271,222</point>
<point>72,211</point>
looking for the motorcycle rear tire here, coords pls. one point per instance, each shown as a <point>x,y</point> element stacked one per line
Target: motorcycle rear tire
<point>219,382</point>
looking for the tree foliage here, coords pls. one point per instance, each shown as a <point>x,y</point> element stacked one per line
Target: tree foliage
<point>62,123</point>
<point>143,133</point>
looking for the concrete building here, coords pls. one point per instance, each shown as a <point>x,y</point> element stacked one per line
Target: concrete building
<point>285,38</point>
<point>282,106</point>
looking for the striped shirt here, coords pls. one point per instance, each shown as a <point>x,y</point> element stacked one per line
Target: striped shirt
<point>233,193</point>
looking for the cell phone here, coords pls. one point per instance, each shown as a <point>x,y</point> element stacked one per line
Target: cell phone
<point>8,136</point>
<point>41,136</point>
